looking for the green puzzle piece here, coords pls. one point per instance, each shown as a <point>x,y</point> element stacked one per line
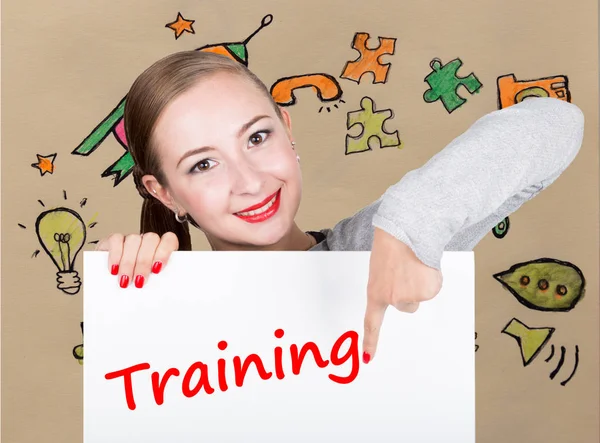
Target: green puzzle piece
<point>444,82</point>
<point>372,122</point>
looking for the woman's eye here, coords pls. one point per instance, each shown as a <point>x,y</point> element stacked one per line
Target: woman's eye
<point>258,137</point>
<point>202,166</point>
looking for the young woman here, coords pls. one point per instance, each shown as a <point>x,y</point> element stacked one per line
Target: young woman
<point>212,149</point>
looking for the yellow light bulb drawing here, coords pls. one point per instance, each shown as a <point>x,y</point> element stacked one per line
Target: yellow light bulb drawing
<point>62,233</point>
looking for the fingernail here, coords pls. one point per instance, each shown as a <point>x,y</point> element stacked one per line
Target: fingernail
<point>156,267</point>
<point>114,270</point>
<point>366,358</point>
<point>124,282</point>
<point>139,281</point>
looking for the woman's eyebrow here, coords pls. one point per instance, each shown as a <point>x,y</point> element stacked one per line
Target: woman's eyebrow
<point>194,152</point>
<point>245,127</point>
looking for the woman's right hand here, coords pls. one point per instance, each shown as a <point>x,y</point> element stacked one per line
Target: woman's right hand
<point>134,257</point>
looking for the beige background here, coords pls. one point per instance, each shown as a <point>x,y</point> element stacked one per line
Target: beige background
<point>66,65</point>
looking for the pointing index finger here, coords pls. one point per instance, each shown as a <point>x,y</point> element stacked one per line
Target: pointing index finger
<point>373,320</point>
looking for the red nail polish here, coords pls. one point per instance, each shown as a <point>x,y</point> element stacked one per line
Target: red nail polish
<point>366,358</point>
<point>156,267</point>
<point>124,282</point>
<point>114,270</point>
<point>139,281</point>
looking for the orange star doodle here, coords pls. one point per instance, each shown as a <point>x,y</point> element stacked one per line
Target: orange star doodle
<point>181,25</point>
<point>45,163</point>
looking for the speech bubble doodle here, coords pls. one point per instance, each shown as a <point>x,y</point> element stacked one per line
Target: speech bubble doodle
<point>544,284</point>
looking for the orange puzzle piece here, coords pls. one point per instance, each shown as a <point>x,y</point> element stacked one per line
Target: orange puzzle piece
<point>512,91</point>
<point>368,61</point>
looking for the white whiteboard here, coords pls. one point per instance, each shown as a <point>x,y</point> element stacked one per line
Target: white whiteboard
<point>419,388</point>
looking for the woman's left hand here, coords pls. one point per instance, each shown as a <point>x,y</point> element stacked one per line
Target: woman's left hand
<point>396,278</point>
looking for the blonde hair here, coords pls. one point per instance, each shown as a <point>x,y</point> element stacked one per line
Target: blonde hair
<point>151,92</point>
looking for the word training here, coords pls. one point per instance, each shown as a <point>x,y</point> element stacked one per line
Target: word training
<point>337,357</point>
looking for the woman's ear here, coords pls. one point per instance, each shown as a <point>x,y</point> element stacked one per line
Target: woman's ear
<point>287,120</point>
<point>156,190</point>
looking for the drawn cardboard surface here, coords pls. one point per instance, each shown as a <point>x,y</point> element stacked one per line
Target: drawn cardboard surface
<point>66,65</point>
<point>174,322</point>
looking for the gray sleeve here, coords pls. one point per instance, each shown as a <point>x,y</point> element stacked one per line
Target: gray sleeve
<point>515,151</point>
<point>353,233</point>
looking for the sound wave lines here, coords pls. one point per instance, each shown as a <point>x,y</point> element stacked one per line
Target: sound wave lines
<point>561,362</point>
<point>563,351</point>
<point>532,340</point>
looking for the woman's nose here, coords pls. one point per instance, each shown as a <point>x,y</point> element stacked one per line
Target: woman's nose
<point>246,179</point>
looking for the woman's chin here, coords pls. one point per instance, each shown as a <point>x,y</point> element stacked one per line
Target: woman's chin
<point>266,238</point>
<point>260,234</point>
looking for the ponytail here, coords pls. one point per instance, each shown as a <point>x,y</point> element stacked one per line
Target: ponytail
<point>157,218</point>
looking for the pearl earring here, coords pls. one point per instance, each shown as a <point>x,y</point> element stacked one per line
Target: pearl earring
<point>298,158</point>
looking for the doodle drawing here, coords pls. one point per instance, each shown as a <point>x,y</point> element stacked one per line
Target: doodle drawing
<point>78,350</point>
<point>181,25</point>
<point>325,86</point>
<point>371,123</point>
<point>369,59</point>
<point>530,340</point>
<point>444,84</point>
<point>113,123</point>
<point>511,91</point>
<point>62,234</point>
<point>501,229</point>
<point>544,284</point>
<point>561,362</point>
<point>237,50</point>
<point>81,204</point>
<point>45,164</point>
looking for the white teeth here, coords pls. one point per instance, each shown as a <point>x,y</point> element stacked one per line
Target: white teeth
<point>259,210</point>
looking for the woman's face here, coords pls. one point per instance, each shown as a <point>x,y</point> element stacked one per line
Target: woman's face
<point>229,162</point>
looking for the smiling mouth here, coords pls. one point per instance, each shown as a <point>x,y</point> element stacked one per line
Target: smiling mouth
<point>262,211</point>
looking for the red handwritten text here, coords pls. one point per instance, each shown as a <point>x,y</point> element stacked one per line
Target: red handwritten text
<point>297,357</point>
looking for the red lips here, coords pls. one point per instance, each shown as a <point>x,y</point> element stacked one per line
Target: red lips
<point>257,218</point>
<point>258,205</point>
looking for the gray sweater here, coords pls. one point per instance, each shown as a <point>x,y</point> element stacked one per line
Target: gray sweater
<point>504,159</point>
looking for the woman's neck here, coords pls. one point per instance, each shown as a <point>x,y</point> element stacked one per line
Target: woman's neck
<point>295,240</point>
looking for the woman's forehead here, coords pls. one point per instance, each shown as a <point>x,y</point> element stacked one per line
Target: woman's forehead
<point>221,96</point>
<point>211,110</point>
